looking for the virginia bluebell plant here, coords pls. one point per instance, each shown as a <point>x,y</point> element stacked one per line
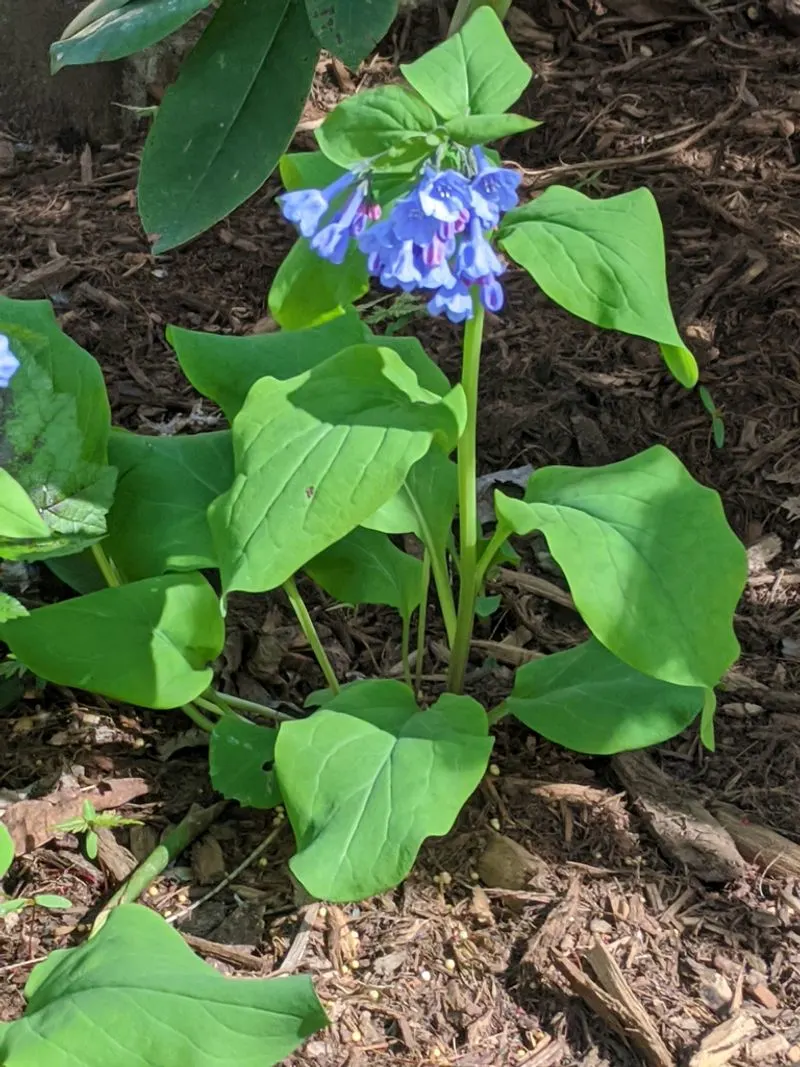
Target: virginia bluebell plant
<point>435,238</point>
<point>9,364</point>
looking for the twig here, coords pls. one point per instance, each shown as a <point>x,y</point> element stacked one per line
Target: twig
<point>194,824</point>
<point>226,881</point>
<point>531,584</point>
<point>22,963</point>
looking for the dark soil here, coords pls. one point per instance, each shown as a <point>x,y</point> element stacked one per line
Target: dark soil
<point>464,963</point>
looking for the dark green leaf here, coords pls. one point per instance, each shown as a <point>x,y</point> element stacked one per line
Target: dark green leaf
<point>480,129</point>
<point>308,290</point>
<point>369,776</point>
<point>148,643</point>
<point>177,1009</point>
<point>651,562</point>
<point>318,454</point>
<point>366,568</point>
<point>590,701</point>
<point>475,72</point>
<point>130,27</point>
<point>223,125</point>
<point>238,754</point>
<point>373,122</point>
<point>486,606</point>
<point>158,521</point>
<point>80,572</point>
<point>6,851</point>
<point>350,28</point>
<point>604,261</point>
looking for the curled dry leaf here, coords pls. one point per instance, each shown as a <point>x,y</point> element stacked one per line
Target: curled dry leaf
<point>32,823</point>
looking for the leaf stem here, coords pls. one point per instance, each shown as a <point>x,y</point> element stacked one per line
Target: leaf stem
<point>106,567</point>
<point>311,635</point>
<point>441,579</point>
<point>197,717</point>
<point>405,645</point>
<point>499,538</point>
<point>496,714</point>
<point>466,8</point>
<point>240,704</point>
<point>422,619</point>
<point>467,500</point>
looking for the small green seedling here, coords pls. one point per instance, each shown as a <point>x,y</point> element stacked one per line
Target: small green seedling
<point>717,422</point>
<point>89,822</point>
<point>42,900</point>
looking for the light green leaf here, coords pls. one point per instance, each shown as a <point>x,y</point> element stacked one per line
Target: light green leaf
<point>604,261</point>
<point>308,290</point>
<point>707,720</point>
<point>590,701</point>
<point>425,504</point>
<point>148,643</point>
<point>127,28</point>
<point>653,567</point>
<point>224,368</point>
<point>53,440</point>
<point>10,608</point>
<point>9,907</point>
<point>158,521</point>
<point>135,995</point>
<point>307,170</point>
<point>475,72</point>
<point>52,902</point>
<point>6,851</point>
<point>369,776</point>
<point>224,123</point>
<point>372,122</point>
<point>480,129</point>
<point>350,28</point>
<point>366,568</point>
<point>238,754</point>
<point>318,454</point>
<point>18,514</point>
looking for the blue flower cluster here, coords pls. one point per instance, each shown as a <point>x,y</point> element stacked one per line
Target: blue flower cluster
<point>9,364</point>
<point>434,239</point>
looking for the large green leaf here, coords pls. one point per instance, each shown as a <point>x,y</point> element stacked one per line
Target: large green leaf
<point>369,776</point>
<point>223,125</point>
<point>19,517</point>
<point>350,28</point>
<point>366,568</point>
<point>590,701</point>
<point>128,28</point>
<point>159,521</point>
<point>475,72</point>
<point>373,122</point>
<point>54,436</point>
<point>148,643</point>
<point>425,505</point>
<point>309,290</point>
<point>135,995</point>
<point>604,261</point>
<point>238,754</point>
<point>651,562</point>
<point>479,129</point>
<point>223,368</point>
<point>308,170</point>
<point>318,454</point>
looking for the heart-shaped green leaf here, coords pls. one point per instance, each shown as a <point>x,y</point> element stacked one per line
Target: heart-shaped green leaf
<point>604,261</point>
<point>373,122</point>
<point>477,71</point>
<point>319,453</point>
<point>159,521</point>
<point>177,1009</point>
<point>480,129</point>
<point>366,568</point>
<point>223,125</point>
<point>128,28</point>
<point>238,753</point>
<point>653,567</point>
<point>590,701</point>
<point>309,290</point>
<point>350,28</point>
<point>369,776</point>
<point>147,643</point>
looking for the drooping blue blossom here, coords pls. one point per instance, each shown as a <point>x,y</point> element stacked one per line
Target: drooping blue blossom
<point>9,364</point>
<point>436,239</point>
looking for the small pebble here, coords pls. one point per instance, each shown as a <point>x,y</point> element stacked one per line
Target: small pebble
<point>474,876</point>
<point>445,878</point>
<point>152,891</point>
<point>494,770</point>
<point>374,994</point>
<point>183,898</point>
<point>450,965</point>
<point>425,976</point>
<point>354,965</point>
<point>495,824</point>
<point>793,1054</point>
<point>355,1036</point>
<point>262,861</point>
<point>323,913</point>
<point>345,969</point>
<point>463,935</point>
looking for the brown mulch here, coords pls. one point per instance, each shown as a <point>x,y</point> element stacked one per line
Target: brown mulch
<point>489,955</point>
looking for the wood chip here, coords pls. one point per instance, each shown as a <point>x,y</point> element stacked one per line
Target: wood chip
<point>529,583</point>
<point>239,957</point>
<point>114,857</point>
<point>32,823</point>
<point>44,280</point>
<point>683,828</point>
<point>505,864</point>
<point>760,845</point>
<point>208,862</point>
<point>724,1042</point>
<point>765,997</point>
<point>551,933</point>
<point>481,908</point>
<point>768,1048</point>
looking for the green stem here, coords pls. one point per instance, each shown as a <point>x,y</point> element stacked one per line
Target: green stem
<point>499,538</point>
<point>190,828</point>
<point>496,714</point>
<point>405,645</point>
<point>212,706</point>
<point>422,618</point>
<point>197,717</point>
<point>240,704</point>
<point>465,8</point>
<point>467,500</point>
<point>311,635</point>
<point>106,567</point>
<point>444,591</point>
